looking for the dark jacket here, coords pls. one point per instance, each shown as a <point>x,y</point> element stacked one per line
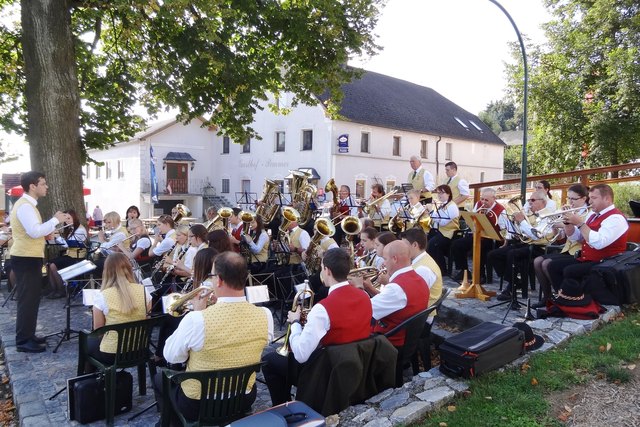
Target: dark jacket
<point>339,376</point>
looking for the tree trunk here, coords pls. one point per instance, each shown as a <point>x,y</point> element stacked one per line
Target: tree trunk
<point>53,102</point>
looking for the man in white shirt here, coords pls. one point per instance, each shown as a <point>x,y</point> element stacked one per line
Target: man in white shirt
<point>459,187</point>
<point>603,235</point>
<point>421,179</point>
<point>230,333</point>
<point>343,317</point>
<point>27,254</point>
<point>378,211</point>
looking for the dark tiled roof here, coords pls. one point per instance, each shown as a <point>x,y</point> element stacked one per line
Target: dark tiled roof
<point>378,100</point>
<point>183,157</point>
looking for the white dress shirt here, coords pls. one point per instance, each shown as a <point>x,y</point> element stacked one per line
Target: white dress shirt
<point>190,333</point>
<point>256,247</point>
<point>429,182</point>
<point>304,238</point>
<point>610,230</point>
<point>392,298</point>
<point>445,214</point>
<point>191,254</point>
<point>115,239</point>
<point>166,244</point>
<point>304,341</point>
<point>353,206</point>
<point>29,219</point>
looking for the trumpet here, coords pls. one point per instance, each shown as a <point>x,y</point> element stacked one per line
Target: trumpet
<point>181,303</point>
<point>368,273</point>
<point>298,301</point>
<point>556,216</point>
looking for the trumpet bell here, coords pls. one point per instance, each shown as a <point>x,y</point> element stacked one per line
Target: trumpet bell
<point>351,225</point>
<point>325,227</point>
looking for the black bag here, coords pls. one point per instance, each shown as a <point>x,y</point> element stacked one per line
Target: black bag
<point>294,413</point>
<point>621,275</point>
<point>484,347</point>
<point>86,396</point>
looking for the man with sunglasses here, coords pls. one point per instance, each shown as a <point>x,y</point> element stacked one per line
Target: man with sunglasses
<point>508,260</point>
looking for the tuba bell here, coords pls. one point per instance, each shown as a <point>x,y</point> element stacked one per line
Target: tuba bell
<point>183,212</point>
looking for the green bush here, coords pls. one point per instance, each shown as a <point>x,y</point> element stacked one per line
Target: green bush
<point>624,192</point>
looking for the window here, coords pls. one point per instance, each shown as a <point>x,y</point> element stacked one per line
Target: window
<point>481,176</point>
<point>225,185</point>
<point>107,173</point>
<point>390,185</point>
<point>307,140</point>
<point>120,169</point>
<point>448,151</point>
<point>279,141</point>
<point>424,149</point>
<point>476,126</point>
<point>246,147</point>
<point>246,186</point>
<point>97,171</point>
<point>461,123</point>
<point>396,145</point>
<point>87,172</point>
<point>360,188</point>
<point>364,142</point>
<point>225,145</point>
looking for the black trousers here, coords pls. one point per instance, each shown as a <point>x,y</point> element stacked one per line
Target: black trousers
<point>508,260</point>
<point>461,247</point>
<point>280,373</point>
<point>568,268</point>
<point>438,247</point>
<point>28,273</point>
<point>190,408</point>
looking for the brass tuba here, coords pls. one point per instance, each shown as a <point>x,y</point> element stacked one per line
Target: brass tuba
<point>298,301</point>
<point>302,195</point>
<point>323,227</point>
<point>269,204</point>
<point>183,212</point>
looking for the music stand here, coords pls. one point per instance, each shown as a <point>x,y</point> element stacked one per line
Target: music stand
<point>481,227</point>
<point>66,274</point>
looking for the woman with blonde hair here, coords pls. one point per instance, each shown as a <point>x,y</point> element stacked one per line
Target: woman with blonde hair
<point>120,300</point>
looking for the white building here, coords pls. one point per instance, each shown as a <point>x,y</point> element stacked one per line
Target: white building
<point>384,121</point>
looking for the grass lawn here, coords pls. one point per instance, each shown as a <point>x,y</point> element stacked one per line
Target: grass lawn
<point>520,397</point>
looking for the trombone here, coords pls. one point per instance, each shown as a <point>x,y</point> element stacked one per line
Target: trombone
<point>372,207</point>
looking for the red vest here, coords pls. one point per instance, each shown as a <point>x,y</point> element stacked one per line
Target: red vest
<point>497,210</point>
<point>618,246</point>
<point>237,233</point>
<point>349,310</point>
<point>417,293</point>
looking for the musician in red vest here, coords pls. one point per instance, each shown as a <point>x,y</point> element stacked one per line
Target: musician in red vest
<point>406,294</point>
<point>461,247</point>
<point>235,229</point>
<point>342,317</point>
<point>603,235</point>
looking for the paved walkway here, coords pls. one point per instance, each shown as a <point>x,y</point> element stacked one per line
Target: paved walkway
<point>36,377</point>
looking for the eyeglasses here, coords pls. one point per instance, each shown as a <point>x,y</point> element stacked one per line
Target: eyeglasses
<point>574,198</point>
<point>533,200</point>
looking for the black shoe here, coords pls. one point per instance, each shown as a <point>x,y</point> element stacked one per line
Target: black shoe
<point>483,279</point>
<point>39,340</point>
<point>504,296</point>
<point>539,304</point>
<point>30,347</point>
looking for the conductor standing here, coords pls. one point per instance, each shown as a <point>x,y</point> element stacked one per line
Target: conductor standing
<point>27,256</point>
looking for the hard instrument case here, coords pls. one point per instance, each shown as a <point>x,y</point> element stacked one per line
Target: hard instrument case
<point>86,396</point>
<point>484,347</point>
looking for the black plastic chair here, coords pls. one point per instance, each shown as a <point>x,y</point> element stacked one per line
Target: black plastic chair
<point>424,342</point>
<point>132,350</point>
<point>635,207</point>
<point>222,394</point>
<point>413,327</point>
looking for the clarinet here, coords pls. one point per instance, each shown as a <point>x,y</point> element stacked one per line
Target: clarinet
<point>172,266</point>
<point>160,263</point>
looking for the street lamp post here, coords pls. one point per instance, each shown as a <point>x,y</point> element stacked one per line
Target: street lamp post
<point>523,176</point>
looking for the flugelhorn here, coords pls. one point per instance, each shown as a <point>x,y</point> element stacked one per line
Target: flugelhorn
<point>179,303</point>
<point>298,301</point>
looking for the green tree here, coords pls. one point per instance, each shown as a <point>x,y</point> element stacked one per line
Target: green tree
<point>584,90</point>
<point>74,70</point>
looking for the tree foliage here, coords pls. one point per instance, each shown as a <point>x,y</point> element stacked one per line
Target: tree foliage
<point>215,59</point>
<point>585,88</point>
<point>500,116</point>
